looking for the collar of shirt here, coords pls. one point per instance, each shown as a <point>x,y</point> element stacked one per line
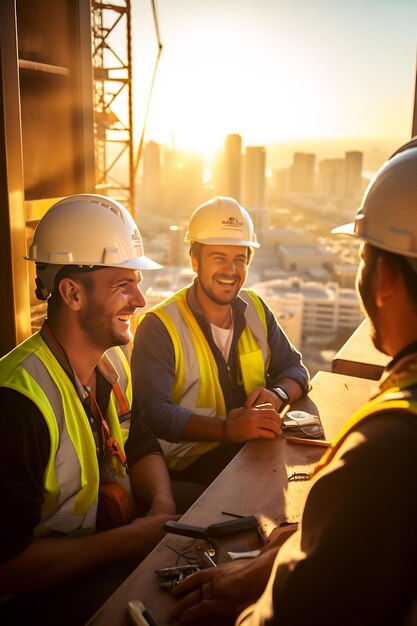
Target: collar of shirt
<point>404,363</point>
<point>412,347</point>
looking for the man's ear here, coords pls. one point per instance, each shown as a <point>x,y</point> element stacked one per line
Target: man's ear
<point>194,263</point>
<point>386,281</point>
<point>70,291</point>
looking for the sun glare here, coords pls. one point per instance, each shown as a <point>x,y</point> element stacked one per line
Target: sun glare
<point>270,81</point>
<point>223,89</point>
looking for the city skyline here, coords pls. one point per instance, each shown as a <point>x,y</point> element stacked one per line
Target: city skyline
<point>273,71</point>
<point>175,182</point>
<point>307,276</point>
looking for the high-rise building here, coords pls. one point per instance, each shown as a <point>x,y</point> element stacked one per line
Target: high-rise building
<point>254,185</point>
<point>227,168</point>
<point>331,177</point>
<point>326,309</point>
<point>233,166</point>
<point>302,177</point>
<point>353,174</point>
<point>183,182</point>
<point>279,183</point>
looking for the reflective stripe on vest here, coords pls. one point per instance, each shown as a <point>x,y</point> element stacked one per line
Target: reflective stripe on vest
<point>394,399</point>
<point>194,363</point>
<point>72,476</point>
<point>122,391</point>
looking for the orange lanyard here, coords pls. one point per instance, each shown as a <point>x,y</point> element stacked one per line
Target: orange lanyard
<point>111,443</point>
<point>124,407</point>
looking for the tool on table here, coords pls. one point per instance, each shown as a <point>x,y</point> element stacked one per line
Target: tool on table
<point>234,556</point>
<point>237,533</point>
<point>309,442</point>
<point>169,577</point>
<point>139,614</point>
<point>213,530</point>
<point>204,560</point>
<point>303,424</point>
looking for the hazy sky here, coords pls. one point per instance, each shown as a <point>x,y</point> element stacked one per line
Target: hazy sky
<point>275,70</point>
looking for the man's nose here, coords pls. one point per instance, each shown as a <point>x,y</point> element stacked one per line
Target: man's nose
<point>138,299</point>
<point>229,266</point>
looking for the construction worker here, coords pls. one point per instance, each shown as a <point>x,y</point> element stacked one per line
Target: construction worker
<point>354,558</point>
<point>204,359</point>
<point>66,398</point>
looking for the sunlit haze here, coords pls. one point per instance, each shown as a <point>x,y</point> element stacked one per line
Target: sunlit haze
<point>275,70</point>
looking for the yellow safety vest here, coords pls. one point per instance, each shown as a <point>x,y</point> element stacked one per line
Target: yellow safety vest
<point>393,399</point>
<point>197,385</point>
<point>71,478</point>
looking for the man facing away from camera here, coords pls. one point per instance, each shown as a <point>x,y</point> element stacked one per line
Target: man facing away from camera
<point>205,359</point>
<point>354,558</point>
<point>66,407</point>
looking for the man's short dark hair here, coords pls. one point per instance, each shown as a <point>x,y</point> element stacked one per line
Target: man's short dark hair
<point>75,272</point>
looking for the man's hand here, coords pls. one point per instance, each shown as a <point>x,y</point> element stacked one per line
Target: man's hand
<point>223,590</point>
<point>260,395</point>
<point>243,424</point>
<point>54,560</point>
<point>146,532</point>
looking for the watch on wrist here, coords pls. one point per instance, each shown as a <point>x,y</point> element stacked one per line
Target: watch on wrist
<point>282,394</point>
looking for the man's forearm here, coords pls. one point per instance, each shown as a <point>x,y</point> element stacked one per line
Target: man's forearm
<point>51,561</point>
<point>203,428</point>
<point>151,484</point>
<point>242,424</point>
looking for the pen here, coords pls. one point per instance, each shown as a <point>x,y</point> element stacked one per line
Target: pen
<point>309,442</point>
<point>284,409</point>
<point>267,405</point>
<point>139,614</point>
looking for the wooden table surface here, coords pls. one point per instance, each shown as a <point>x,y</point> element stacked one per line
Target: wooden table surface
<point>359,357</point>
<point>254,483</point>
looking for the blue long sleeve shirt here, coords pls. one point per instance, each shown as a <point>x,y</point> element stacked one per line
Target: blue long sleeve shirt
<point>153,367</point>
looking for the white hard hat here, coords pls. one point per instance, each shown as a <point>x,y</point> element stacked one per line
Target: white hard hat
<point>221,221</point>
<point>87,230</point>
<point>387,217</point>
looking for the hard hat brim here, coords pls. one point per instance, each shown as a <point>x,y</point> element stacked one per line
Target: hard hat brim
<point>224,241</point>
<point>139,263</point>
<point>345,229</point>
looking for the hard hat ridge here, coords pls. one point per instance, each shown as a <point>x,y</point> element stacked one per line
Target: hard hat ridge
<point>87,230</point>
<point>221,221</point>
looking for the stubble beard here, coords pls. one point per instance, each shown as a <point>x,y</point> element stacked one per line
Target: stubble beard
<point>221,301</point>
<point>99,326</point>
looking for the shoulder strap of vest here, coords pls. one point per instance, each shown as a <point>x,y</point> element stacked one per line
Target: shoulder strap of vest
<point>174,312</point>
<point>160,311</point>
<point>394,399</point>
<point>250,297</point>
<point>157,307</point>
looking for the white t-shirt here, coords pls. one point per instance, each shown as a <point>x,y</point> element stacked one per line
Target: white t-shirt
<point>223,339</point>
